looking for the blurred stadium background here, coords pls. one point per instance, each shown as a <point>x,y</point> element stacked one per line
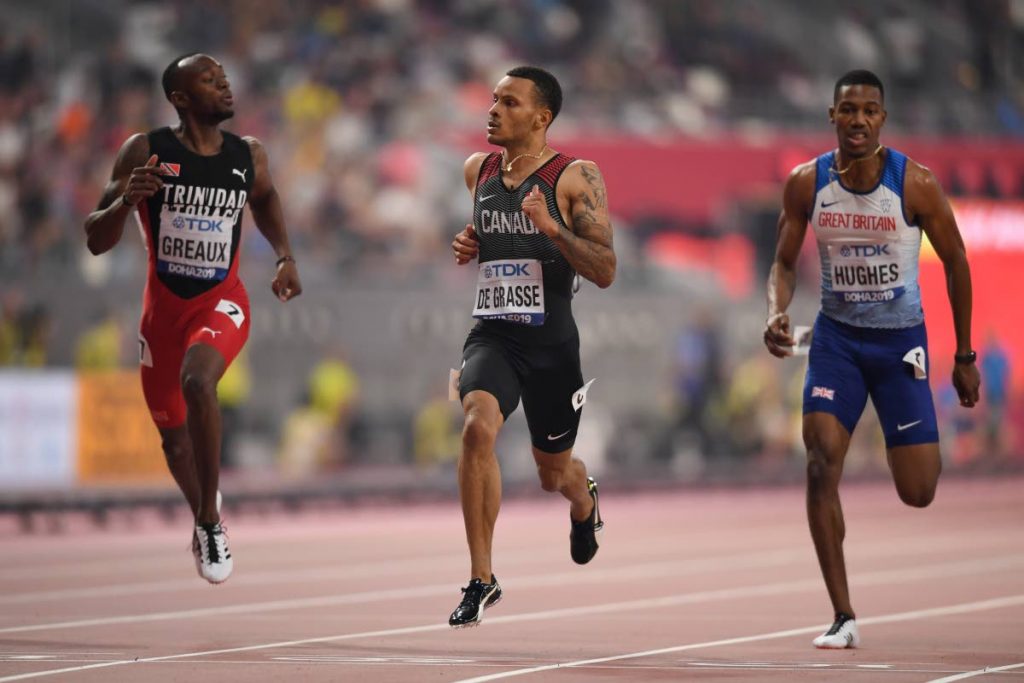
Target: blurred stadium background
<point>694,110</point>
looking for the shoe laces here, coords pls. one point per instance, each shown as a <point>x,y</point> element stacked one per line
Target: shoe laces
<point>212,542</point>
<point>840,621</point>
<point>473,593</point>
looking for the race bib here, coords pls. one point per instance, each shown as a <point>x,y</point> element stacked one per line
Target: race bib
<point>194,246</point>
<point>865,272</point>
<point>511,290</point>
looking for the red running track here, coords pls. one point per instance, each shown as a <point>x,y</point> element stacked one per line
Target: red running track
<point>719,585</point>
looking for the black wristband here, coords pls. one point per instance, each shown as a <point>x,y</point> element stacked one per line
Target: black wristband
<point>966,358</point>
<point>285,259</point>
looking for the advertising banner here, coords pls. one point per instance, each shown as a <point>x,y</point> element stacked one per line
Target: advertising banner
<point>116,438</point>
<point>38,432</point>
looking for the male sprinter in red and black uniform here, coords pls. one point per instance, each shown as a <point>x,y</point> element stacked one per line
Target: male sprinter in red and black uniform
<point>539,217</point>
<point>187,186</point>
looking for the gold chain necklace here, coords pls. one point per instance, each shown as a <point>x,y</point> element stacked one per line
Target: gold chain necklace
<point>874,154</point>
<point>508,167</point>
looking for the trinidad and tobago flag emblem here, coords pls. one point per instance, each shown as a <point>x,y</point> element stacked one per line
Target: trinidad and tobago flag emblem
<point>170,169</point>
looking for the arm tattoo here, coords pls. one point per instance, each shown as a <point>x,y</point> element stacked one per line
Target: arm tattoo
<point>588,246</point>
<point>597,197</point>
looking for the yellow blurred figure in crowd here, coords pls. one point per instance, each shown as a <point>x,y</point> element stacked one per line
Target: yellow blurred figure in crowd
<point>436,434</point>
<point>100,346</point>
<point>315,435</point>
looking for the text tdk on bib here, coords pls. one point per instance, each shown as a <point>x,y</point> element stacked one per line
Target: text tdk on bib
<point>196,227</point>
<point>511,290</point>
<point>865,272</point>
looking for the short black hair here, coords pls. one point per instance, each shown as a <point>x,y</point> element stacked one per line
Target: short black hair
<point>858,77</point>
<point>170,78</point>
<point>549,92</point>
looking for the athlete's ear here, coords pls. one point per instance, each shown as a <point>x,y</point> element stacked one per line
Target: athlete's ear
<point>832,115</point>
<point>544,119</point>
<point>178,99</point>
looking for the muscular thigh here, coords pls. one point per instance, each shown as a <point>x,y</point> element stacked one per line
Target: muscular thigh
<point>897,369</point>
<point>161,350</point>
<point>221,322</point>
<point>916,464</point>
<point>169,327</point>
<point>552,414</point>
<point>835,382</point>
<point>487,366</point>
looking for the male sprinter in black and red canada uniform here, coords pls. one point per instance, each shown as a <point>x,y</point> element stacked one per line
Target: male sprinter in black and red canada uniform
<point>186,187</point>
<point>539,217</point>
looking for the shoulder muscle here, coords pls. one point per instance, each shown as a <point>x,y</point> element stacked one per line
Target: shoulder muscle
<point>133,153</point>
<point>471,169</point>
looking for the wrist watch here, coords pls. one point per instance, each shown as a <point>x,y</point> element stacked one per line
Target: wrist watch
<point>965,358</point>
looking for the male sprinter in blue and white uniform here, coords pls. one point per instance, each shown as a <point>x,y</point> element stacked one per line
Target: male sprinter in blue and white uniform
<point>539,217</point>
<point>868,205</point>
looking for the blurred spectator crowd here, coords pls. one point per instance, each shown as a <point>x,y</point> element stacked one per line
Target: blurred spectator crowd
<point>363,104</point>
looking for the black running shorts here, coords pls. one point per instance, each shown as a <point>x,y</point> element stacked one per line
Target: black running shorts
<point>546,377</point>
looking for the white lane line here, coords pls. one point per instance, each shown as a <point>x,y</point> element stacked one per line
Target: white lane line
<point>996,603</point>
<point>977,672</point>
<point>248,648</point>
<point>775,558</point>
<point>72,568</point>
<point>763,559</point>
<point>78,568</point>
<point>758,665</point>
<point>632,605</point>
<point>399,567</point>
<point>350,659</point>
<point>652,570</point>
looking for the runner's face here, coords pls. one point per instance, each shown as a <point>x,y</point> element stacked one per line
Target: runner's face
<point>208,89</point>
<point>515,114</point>
<point>858,115</point>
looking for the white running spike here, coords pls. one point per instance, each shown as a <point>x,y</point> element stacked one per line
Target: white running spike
<point>214,543</point>
<point>195,541</point>
<point>843,637</point>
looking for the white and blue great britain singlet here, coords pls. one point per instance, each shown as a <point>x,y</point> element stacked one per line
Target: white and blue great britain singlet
<point>869,252</point>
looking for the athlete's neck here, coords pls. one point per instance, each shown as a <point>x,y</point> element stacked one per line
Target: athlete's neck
<point>861,173</point>
<point>203,139</point>
<point>520,160</point>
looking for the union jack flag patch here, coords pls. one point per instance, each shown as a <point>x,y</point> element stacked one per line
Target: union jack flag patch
<point>170,169</point>
<point>822,392</point>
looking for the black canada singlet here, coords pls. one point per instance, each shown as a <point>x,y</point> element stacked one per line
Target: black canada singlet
<point>504,232</point>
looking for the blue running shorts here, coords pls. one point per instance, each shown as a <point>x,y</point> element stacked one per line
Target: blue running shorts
<point>848,363</point>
